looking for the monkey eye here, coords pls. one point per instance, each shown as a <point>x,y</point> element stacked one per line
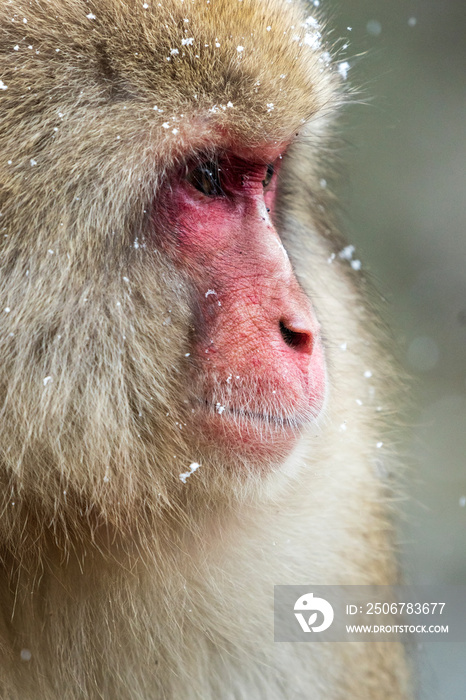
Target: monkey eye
<point>268,175</point>
<point>206,179</point>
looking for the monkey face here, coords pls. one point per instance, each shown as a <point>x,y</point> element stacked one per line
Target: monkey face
<point>257,367</point>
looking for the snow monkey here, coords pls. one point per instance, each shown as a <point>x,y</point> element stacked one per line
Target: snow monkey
<point>190,377</point>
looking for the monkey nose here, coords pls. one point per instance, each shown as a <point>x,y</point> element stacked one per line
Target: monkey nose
<point>296,335</point>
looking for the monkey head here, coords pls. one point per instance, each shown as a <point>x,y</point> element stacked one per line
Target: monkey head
<point>154,319</point>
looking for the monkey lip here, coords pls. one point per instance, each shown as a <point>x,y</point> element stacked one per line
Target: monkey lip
<point>222,418</point>
<point>285,422</point>
<point>258,434</point>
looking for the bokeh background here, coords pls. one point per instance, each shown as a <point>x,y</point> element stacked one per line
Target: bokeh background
<point>405,212</point>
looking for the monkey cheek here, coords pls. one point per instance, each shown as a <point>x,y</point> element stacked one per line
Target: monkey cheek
<point>317,394</point>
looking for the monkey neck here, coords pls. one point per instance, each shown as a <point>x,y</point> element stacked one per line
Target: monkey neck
<point>155,598</point>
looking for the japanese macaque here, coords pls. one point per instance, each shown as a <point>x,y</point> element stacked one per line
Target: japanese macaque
<point>192,389</point>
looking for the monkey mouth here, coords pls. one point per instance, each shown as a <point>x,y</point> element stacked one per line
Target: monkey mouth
<point>286,423</point>
<point>249,431</point>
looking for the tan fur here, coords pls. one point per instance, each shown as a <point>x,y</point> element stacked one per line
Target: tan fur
<point>123,582</point>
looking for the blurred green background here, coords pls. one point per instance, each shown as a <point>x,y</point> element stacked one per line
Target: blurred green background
<point>406,214</point>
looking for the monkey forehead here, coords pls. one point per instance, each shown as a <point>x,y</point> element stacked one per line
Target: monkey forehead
<point>262,152</point>
<point>256,67</point>
<point>254,71</point>
<point>207,136</point>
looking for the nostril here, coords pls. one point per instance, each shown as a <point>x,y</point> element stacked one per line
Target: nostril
<point>299,340</point>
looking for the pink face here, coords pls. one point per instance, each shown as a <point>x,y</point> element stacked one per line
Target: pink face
<point>257,356</point>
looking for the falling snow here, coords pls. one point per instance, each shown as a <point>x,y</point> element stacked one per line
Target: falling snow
<point>192,468</point>
<point>343,69</point>
<point>374,27</point>
<point>311,22</point>
<point>347,252</point>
